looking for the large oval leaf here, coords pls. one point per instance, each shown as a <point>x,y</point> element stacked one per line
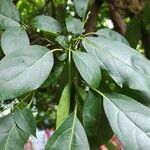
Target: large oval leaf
<point>13,39</point>
<point>88,68</point>
<point>69,136</point>
<point>47,24</point>
<point>129,120</point>
<point>24,70</point>
<point>9,15</point>
<point>124,64</point>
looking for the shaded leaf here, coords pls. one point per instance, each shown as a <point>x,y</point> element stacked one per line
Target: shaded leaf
<point>24,70</point>
<point>54,76</point>
<point>95,122</point>
<point>13,39</point>
<point>88,68</point>
<point>69,136</point>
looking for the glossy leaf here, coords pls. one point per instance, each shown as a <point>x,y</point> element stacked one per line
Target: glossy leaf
<point>63,106</point>
<point>9,15</point>
<point>124,64</point>
<point>87,67</point>
<point>95,122</point>
<point>111,35</point>
<point>129,120</point>
<point>69,136</point>
<point>13,39</point>
<point>24,70</point>
<point>74,25</point>
<point>81,7</point>
<point>47,24</point>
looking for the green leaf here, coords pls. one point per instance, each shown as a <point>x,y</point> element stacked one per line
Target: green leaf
<point>124,64</point>
<point>47,24</point>
<point>111,35</point>
<point>134,27</point>
<point>13,39</point>
<point>74,25</point>
<point>95,122</point>
<point>9,15</point>
<point>11,136</point>
<point>69,136</point>
<point>63,106</point>
<point>129,120</point>
<point>24,70</point>
<point>88,68</point>
<point>54,76</point>
<point>63,41</point>
<point>25,121</point>
<point>81,7</point>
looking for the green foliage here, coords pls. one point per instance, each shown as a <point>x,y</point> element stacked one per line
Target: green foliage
<point>64,106</point>
<point>84,73</point>
<point>16,128</point>
<point>14,38</point>
<point>9,15</point>
<point>70,135</point>
<point>47,24</point>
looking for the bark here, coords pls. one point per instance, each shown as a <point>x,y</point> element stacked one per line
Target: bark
<point>117,18</point>
<point>91,23</point>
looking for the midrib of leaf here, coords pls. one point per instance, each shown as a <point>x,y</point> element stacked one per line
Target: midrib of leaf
<point>83,61</point>
<point>73,128</point>
<point>10,19</point>
<point>25,70</point>
<point>9,136</point>
<point>89,42</point>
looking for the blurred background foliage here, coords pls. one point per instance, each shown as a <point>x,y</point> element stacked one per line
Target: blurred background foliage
<point>130,18</point>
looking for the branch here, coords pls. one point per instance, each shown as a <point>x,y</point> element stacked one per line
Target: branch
<point>91,24</point>
<point>117,18</point>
